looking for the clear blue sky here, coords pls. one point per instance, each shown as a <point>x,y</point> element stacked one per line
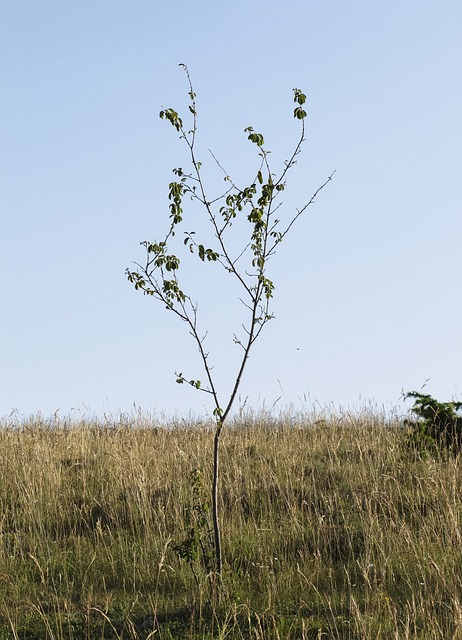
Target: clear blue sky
<point>368,287</point>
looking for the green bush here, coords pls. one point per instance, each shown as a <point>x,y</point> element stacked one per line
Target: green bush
<point>438,428</point>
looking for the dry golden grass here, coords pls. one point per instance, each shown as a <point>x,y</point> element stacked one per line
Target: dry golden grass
<point>330,530</point>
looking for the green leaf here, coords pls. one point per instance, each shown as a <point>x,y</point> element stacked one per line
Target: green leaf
<point>299,97</point>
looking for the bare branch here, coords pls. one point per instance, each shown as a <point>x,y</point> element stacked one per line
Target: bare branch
<point>302,210</point>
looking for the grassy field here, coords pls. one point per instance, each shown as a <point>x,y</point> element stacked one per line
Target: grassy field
<point>330,530</point>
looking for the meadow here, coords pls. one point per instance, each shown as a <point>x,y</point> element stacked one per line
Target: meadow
<point>331,529</point>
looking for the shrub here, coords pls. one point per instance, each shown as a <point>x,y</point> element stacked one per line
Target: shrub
<point>438,428</point>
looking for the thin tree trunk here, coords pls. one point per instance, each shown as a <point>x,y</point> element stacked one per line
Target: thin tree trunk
<point>215,514</point>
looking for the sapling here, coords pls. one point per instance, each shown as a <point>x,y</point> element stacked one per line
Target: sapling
<point>256,207</point>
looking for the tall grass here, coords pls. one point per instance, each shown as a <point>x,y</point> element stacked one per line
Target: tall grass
<point>331,529</point>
